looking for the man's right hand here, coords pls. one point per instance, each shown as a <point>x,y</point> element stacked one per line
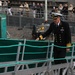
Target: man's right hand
<point>37,39</point>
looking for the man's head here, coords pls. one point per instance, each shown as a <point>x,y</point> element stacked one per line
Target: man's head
<point>56,17</point>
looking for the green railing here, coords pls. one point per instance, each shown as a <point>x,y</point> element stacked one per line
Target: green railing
<point>22,51</point>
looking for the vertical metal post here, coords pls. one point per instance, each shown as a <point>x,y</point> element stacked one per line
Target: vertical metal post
<point>54,3</point>
<point>71,66</point>
<point>17,58</point>
<point>51,55</point>
<point>20,27</point>
<point>46,17</point>
<point>20,20</point>
<point>72,55</point>
<point>18,52</point>
<point>47,57</point>
<point>48,50</point>
<point>23,52</point>
<point>23,49</point>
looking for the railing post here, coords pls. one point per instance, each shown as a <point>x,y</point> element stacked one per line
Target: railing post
<point>71,64</point>
<point>49,64</point>
<point>17,59</point>
<point>20,26</point>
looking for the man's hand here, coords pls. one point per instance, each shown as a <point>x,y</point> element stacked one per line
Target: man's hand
<point>68,49</point>
<point>68,45</point>
<point>37,39</point>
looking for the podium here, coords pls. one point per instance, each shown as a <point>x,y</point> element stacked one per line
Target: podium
<point>3,28</point>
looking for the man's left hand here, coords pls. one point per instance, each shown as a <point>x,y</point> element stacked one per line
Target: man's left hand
<point>68,49</point>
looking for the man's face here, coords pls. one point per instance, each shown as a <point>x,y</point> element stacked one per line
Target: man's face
<point>56,20</point>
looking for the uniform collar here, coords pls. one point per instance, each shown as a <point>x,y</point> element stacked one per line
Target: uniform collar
<point>60,23</point>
